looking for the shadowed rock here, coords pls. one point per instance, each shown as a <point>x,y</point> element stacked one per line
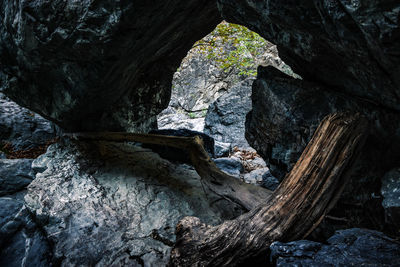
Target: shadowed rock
<point>103,65</point>
<point>351,247</point>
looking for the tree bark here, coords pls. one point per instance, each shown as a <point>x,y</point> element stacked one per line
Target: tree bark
<point>298,205</point>
<point>302,200</point>
<point>248,196</point>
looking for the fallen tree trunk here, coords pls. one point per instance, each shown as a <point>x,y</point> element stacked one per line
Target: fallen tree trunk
<point>302,200</point>
<point>248,196</point>
<point>307,193</point>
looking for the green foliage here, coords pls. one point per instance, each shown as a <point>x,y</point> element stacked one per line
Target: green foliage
<point>192,115</point>
<point>204,112</point>
<point>233,47</point>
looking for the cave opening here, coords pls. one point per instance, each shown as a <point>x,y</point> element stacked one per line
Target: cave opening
<point>211,93</point>
<point>224,58</point>
<point>102,70</point>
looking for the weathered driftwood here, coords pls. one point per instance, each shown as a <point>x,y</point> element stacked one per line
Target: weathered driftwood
<point>307,193</point>
<point>246,195</point>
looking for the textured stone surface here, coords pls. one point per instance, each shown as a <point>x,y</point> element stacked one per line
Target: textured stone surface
<point>391,197</point>
<point>104,203</point>
<point>171,118</point>
<point>285,114</point>
<point>231,166</point>
<point>226,116</point>
<point>103,65</point>
<point>262,177</point>
<point>22,128</point>
<point>199,81</point>
<point>349,46</point>
<point>15,175</point>
<point>269,181</point>
<point>21,242</point>
<point>351,247</point>
<point>222,149</point>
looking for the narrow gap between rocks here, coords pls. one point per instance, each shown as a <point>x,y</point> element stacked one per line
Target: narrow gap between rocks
<point>211,93</point>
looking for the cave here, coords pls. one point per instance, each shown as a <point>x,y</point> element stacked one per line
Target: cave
<point>98,67</point>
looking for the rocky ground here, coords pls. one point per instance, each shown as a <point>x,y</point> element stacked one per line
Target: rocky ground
<point>101,203</point>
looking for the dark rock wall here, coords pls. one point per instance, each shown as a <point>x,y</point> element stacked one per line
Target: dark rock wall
<point>21,128</point>
<point>97,65</point>
<point>350,46</point>
<point>287,111</point>
<point>351,247</point>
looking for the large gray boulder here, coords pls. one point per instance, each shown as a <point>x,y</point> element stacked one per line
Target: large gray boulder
<point>351,247</point>
<point>102,65</point>
<point>225,119</point>
<point>108,203</point>
<point>21,241</point>
<point>285,114</point>
<point>22,128</point>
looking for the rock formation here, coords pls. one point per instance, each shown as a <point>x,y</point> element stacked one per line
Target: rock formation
<point>22,129</point>
<point>104,65</point>
<point>106,203</point>
<point>351,247</point>
<point>108,65</point>
<point>350,47</point>
<point>226,116</point>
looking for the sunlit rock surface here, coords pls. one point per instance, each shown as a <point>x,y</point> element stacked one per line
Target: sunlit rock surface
<point>225,120</point>
<point>108,203</point>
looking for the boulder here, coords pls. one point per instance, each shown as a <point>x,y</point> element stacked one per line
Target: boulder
<point>111,203</point>
<point>171,118</point>
<point>225,119</point>
<point>15,175</point>
<point>351,247</point>
<point>391,197</point>
<point>256,176</point>
<point>285,114</point>
<point>103,65</point>
<point>231,166</point>
<point>222,149</point>
<point>21,241</point>
<point>269,181</point>
<point>22,128</point>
